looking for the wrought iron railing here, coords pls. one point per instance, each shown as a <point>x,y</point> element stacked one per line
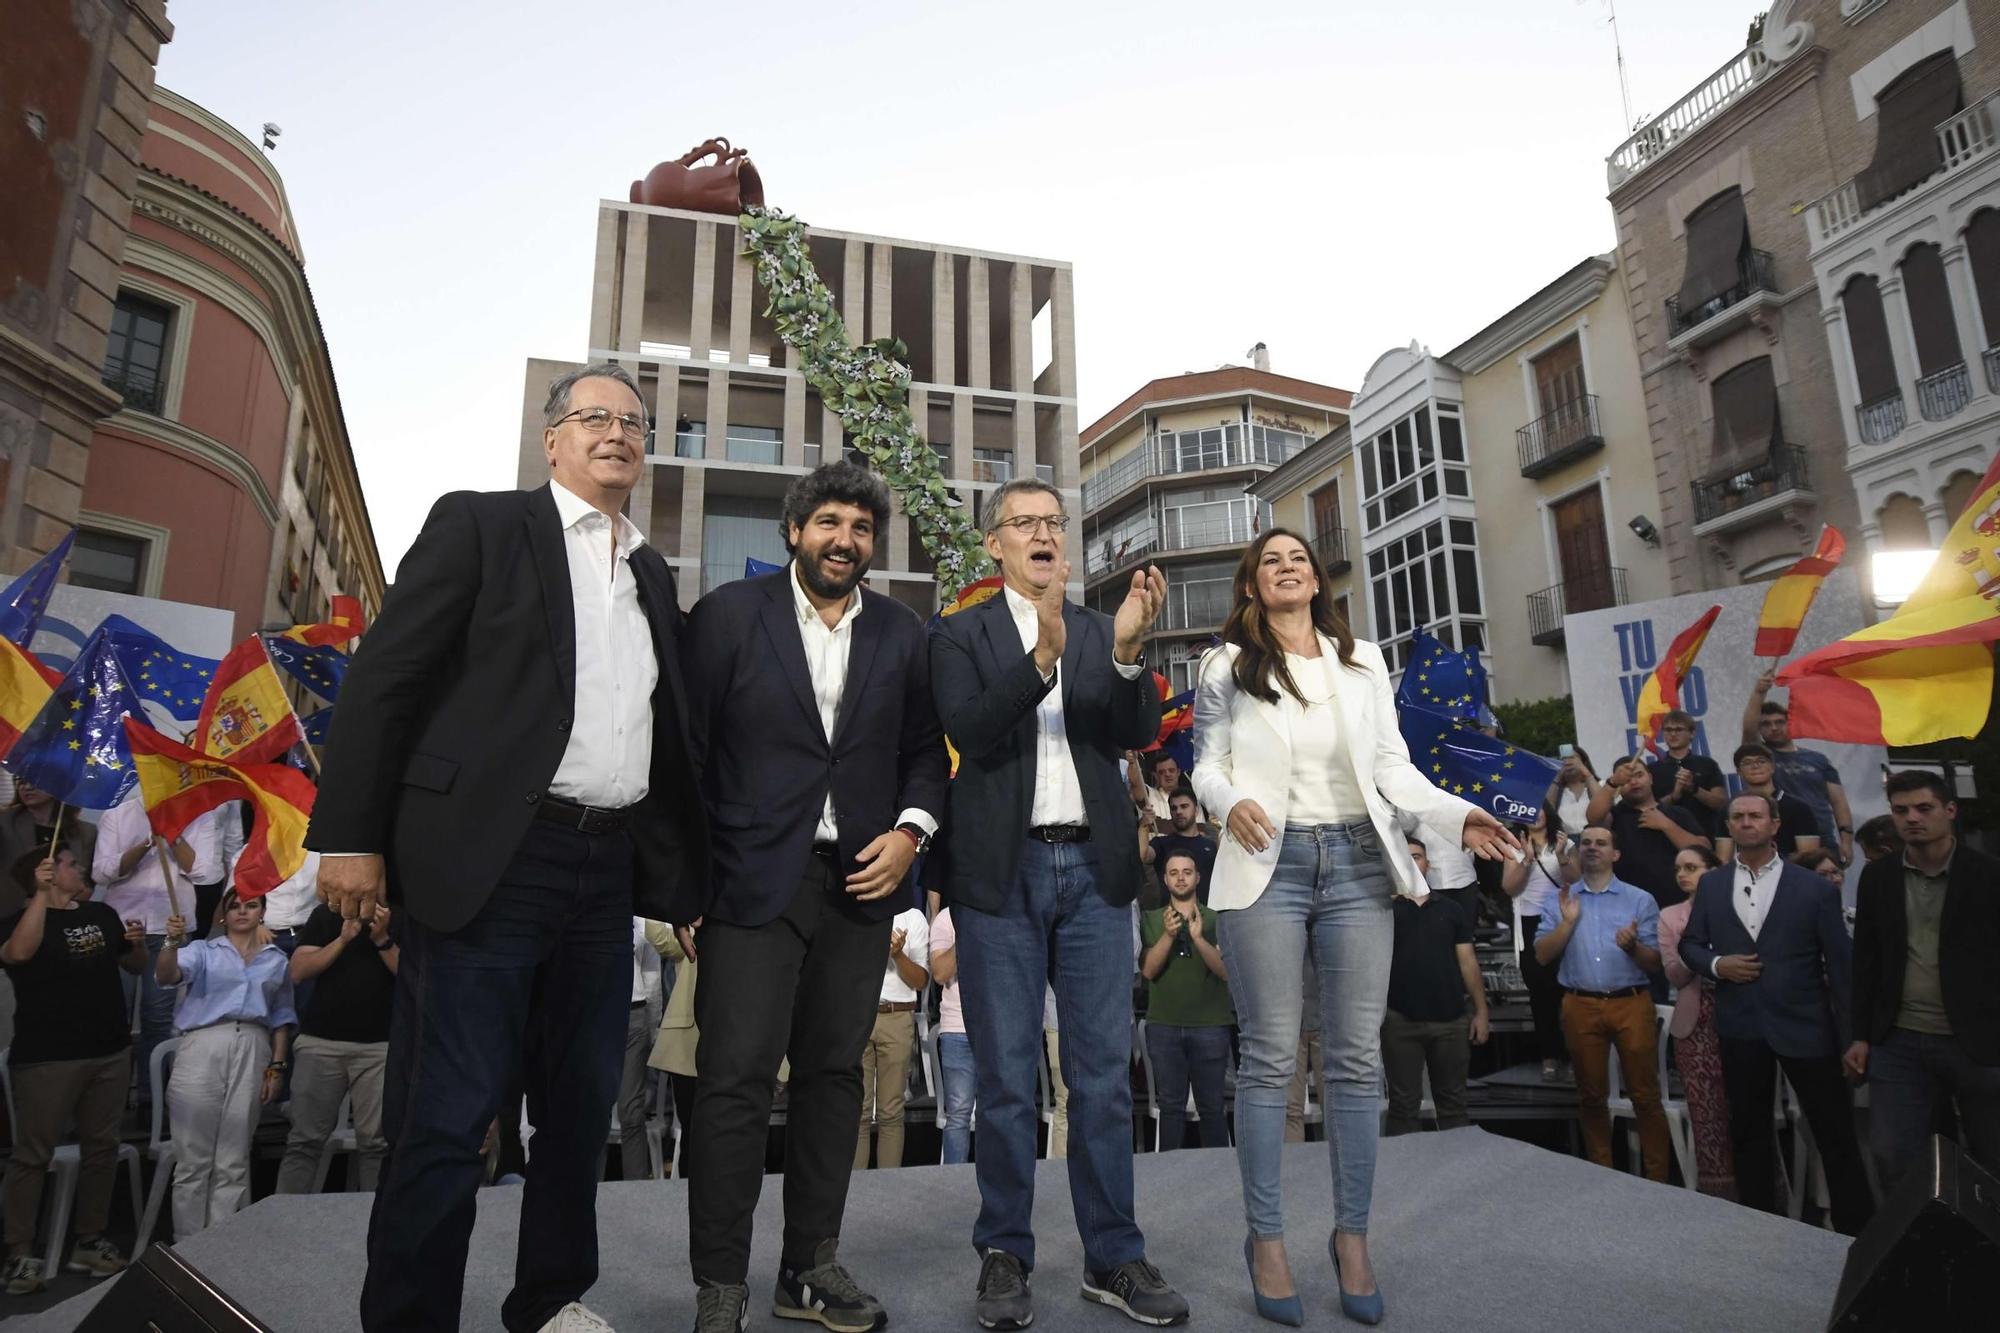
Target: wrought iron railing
<point>1331,548</point>
<point>1783,471</point>
<point>1755,272</point>
<point>1557,436</point>
<point>1593,591</point>
<point>1881,420</point>
<point>1943,395</point>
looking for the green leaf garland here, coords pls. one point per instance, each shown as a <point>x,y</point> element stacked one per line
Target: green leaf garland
<point>868,388</point>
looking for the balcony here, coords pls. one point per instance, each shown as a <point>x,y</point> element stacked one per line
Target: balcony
<point>139,390</point>
<point>1731,501</point>
<point>1722,315</point>
<point>1571,431</point>
<point>1109,554</point>
<point>1882,420</point>
<point>1331,548</point>
<point>1942,396</point>
<point>1178,452</point>
<point>1663,132</point>
<point>1593,592</point>
<point>1195,606</point>
<point>1970,136</point>
<point>1991,356</point>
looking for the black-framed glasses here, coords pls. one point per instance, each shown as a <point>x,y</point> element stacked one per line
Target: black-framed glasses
<point>1028,525</point>
<point>597,420</point>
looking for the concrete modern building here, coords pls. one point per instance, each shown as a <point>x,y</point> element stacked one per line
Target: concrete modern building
<point>1803,244</point>
<point>992,354</point>
<point>75,86</point>
<point>1166,478</point>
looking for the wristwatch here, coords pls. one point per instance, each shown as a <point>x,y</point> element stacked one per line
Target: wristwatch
<point>916,832</point>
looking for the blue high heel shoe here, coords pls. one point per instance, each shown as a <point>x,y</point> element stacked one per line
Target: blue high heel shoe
<point>1278,1309</point>
<point>1361,1309</point>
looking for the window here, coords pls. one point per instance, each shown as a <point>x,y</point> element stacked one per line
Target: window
<point>1747,428</point>
<point>1718,243</point>
<point>1907,114</point>
<point>993,465</point>
<point>1326,509</point>
<point>755,444</point>
<point>1931,320</point>
<point>108,561</point>
<point>1400,467</point>
<point>1559,376</point>
<point>1868,338</point>
<point>135,358</point>
<point>1423,581</point>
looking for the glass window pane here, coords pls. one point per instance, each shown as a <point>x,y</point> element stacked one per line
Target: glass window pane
<point>1474,635</point>
<point>1382,603</point>
<point>1451,438</point>
<point>1425,455</point>
<point>1434,536</point>
<point>108,561</point>
<point>1406,457</point>
<point>1456,482</point>
<point>1439,587</point>
<point>1377,562</point>
<point>1368,486</point>
<point>1430,485</point>
<point>1420,597</point>
<point>1374,517</point>
<point>1461,532</point>
<point>1467,565</point>
<point>1400,587</point>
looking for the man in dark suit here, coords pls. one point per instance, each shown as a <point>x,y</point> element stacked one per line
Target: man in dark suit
<point>824,768</point>
<point>510,768</point>
<point>1927,983</point>
<point>1041,697</point>
<point>1771,935</point>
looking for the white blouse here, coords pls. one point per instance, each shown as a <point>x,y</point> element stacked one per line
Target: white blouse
<point>1323,790</point>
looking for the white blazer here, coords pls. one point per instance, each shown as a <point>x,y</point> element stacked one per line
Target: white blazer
<point>1243,750</point>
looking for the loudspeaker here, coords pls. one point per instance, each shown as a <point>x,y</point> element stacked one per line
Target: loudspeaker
<point>163,1293</point>
<point>1930,1261</point>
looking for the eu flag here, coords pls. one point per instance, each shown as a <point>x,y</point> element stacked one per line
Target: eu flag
<point>1441,680</point>
<point>158,671</point>
<point>752,567</point>
<point>76,749</point>
<point>319,669</point>
<point>316,727</point>
<point>1501,778</point>
<point>25,601</point>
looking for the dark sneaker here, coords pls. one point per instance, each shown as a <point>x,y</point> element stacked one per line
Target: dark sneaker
<point>1138,1289</point>
<point>721,1309</point>
<point>95,1258</point>
<point>1004,1298</point>
<point>827,1294</point>
<point>23,1276</point>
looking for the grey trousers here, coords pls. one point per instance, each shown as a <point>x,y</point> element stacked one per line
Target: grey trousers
<point>633,1086</point>
<point>323,1073</point>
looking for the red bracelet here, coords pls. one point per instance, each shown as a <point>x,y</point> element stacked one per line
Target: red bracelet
<point>909,833</point>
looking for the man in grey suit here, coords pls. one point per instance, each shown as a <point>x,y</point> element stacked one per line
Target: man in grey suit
<point>1041,697</point>
<point>1771,935</point>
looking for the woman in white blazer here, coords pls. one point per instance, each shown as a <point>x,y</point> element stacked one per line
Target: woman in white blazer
<point>1297,747</point>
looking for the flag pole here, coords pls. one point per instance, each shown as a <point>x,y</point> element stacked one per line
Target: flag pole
<point>311,758</point>
<point>167,873</point>
<point>55,832</point>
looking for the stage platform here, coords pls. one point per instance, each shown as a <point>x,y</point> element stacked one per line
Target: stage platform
<point>1470,1231</point>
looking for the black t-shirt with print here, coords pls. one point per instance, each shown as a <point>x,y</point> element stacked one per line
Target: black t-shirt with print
<point>69,1003</point>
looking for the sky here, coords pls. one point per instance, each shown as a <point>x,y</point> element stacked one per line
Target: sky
<point>1328,177</point>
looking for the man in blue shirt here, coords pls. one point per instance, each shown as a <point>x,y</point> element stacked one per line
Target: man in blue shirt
<point>1607,934</point>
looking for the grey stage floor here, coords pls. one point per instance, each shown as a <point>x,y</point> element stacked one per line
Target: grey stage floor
<point>1469,1231</point>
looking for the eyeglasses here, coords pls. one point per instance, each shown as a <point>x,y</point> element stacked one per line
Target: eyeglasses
<point>1029,525</point>
<point>597,420</point>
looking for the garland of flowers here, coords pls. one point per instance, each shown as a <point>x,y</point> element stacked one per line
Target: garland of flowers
<point>868,388</point>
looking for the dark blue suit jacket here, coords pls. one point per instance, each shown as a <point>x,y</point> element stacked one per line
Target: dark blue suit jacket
<point>987,692</point>
<point>1798,1004</point>
<point>763,754</point>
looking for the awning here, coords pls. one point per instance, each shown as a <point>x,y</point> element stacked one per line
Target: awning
<point>1907,114</point>
<point>1746,419</point>
<point>1868,336</point>
<point>1932,323</point>
<point>1717,234</point>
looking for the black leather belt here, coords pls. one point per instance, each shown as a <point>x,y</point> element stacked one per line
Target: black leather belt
<point>1618,994</point>
<point>1059,832</point>
<point>582,818</point>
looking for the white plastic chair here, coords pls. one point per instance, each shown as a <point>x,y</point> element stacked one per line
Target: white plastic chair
<point>159,1148</point>
<point>1680,1132</point>
<point>65,1165</point>
<point>1806,1173</point>
<point>341,1140</point>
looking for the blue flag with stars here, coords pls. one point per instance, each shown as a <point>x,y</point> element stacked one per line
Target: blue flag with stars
<point>317,726</point>
<point>159,672</point>
<point>1495,776</point>
<point>1441,680</point>
<point>75,749</point>
<point>25,601</point>
<point>320,669</point>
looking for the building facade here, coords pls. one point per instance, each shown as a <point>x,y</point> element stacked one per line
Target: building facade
<point>226,477</point>
<point>991,341</point>
<point>1805,241</point>
<point>1167,478</point>
<point>76,81</point>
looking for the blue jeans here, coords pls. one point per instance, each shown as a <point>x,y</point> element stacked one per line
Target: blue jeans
<point>1909,1075</point>
<point>531,993</point>
<point>1056,930</point>
<point>1184,1056</point>
<point>959,1077</point>
<point>156,1014</point>
<point>1330,894</point>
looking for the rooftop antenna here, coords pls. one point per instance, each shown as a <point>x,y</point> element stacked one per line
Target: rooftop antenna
<point>1624,87</point>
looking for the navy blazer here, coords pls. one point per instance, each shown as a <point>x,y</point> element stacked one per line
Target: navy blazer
<point>987,693</point>
<point>762,752</point>
<point>1798,1004</point>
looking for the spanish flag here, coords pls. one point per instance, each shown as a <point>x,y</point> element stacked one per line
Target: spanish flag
<point>1662,693</point>
<point>179,785</point>
<point>246,718</point>
<point>25,687</point>
<point>344,621</point>
<point>1926,673</point>
<point>1791,595</point>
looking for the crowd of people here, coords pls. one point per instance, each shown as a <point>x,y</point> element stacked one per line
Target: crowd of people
<point>732,848</point>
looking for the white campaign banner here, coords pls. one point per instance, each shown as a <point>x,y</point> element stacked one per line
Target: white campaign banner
<point>1612,653</point>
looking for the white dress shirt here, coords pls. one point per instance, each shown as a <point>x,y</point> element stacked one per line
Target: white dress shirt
<point>645,964</point>
<point>827,649</point>
<point>609,757</point>
<point>142,895</point>
<point>287,906</point>
<point>1752,891</point>
<point>916,948</point>
<point>1058,790</point>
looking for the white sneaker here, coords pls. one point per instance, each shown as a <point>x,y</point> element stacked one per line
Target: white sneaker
<point>576,1318</point>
